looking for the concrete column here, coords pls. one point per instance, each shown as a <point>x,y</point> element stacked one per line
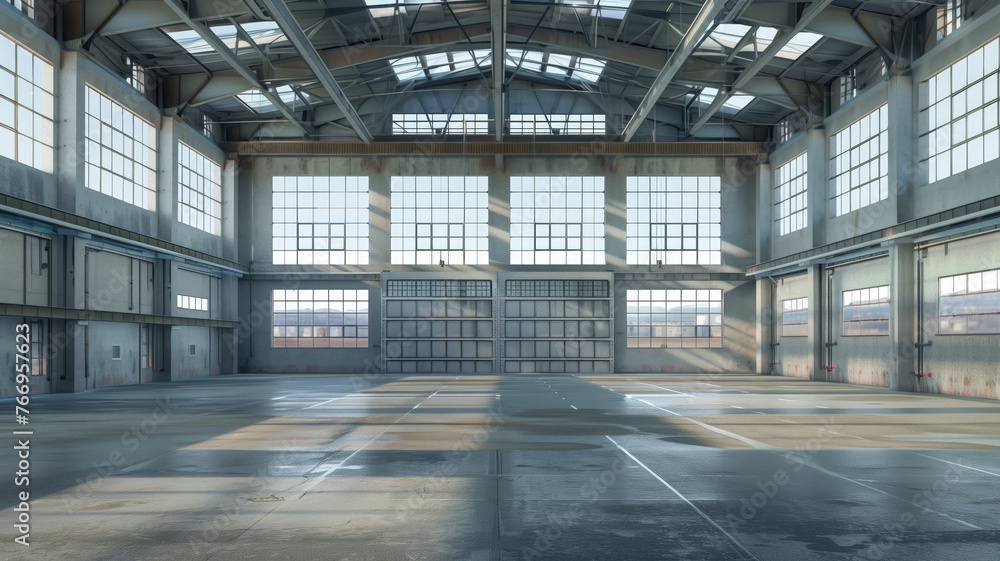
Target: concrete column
<point>230,207</point>
<point>902,162</point>
<point>765,218</point>
<point>765,325</point>
<point>902,317</point>
<point>817,315</point>
<point>817,181</point>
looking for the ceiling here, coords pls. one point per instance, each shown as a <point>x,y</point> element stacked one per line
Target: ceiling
<point>650,70</point>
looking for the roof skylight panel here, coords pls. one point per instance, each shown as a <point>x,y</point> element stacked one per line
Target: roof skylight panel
<point>255,100</point>
<point>262,32</point>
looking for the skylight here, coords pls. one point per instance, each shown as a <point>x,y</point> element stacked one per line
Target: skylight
<point>262,33</point>
<point>255,100</point>
<point>387,8</point>
<point>727,35</point>
<point>604,8</point>
<point>557,65</point>
<point>734,104</point>
<point>413,67</point>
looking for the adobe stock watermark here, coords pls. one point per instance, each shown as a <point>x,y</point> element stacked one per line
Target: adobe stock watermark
<point>130,441</point>
<point>896,529</point>
<point>768,488</point>
<point>548,535</point>
<point>436,479</point>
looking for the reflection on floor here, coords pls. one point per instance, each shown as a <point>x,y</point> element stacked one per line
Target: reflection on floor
<point>637,467</point>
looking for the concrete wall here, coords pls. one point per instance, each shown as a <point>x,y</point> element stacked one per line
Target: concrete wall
<point>959,364</point>
<point>794,355</point>
<point>46,264</point>
<point>738,332</point>
<point>737,232</point>
<point>102,368</point>
<point>856,359</point>
<point>967,365</point>
<point>256,353</point>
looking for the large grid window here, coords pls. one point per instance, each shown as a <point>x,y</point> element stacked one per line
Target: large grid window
<point>578,125</point>
<point>136,75</point>
<point>784,130</point>
<point>866,311</point>
<point>195,303</point>
<point>859,166</point>
<point>949,18</point>
<point>320,318</point>
<point>37,349</point>
<point>674,318</point>
<point>790,195</point>
<point>199,182</point>
<point>435,219</point>
<point>959,113</point>
<point>26,106</point>
<point>557,220</point>
<point>795,317</point>
<point>969,303</point>
<point>320,220</point>
<point>27,7</point>
<point>430,124</point>
<point>674,220</point>
<point>557,288</point>
<point>121,152</point>
<point>439,288</point>
<point>849,85</point>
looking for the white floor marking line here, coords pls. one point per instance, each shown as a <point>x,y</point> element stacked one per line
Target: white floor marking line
<point>788,400</point>
<point>324,403</point>
<point>737,407</point>
<point>669,390</point>
<point>340,464</point>
<point>282,397</point>
<point>574,407</point>
<point>810,463</point>
<point>959,465</point>
<point>755,443</point>
<point>685,499</point>
<point>821,406</point>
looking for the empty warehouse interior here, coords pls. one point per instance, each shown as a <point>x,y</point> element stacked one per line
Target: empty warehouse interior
<point>500,279</point>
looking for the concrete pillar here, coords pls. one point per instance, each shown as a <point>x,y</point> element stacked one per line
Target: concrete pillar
<point>765,325</point>
<point>230,207</point>
<point>817,315</point>
<point>765,218</point>
<point>902,161</point>
<point>902,317</point>
<point>820,205</point>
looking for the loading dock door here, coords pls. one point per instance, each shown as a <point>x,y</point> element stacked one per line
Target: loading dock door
<point>557,325</point>
<point>432,325</point>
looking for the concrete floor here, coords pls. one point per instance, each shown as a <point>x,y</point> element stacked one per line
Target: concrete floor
<point>610,467</point>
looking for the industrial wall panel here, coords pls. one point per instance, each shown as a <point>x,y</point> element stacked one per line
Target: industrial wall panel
<point>557,325</point>
<point>12,273</point>
<point>435,324</point>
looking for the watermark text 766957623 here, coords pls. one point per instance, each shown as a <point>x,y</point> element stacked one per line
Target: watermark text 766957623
<point>22,435</point>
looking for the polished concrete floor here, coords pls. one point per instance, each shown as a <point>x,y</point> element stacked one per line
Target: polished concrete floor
<point>611,467</point>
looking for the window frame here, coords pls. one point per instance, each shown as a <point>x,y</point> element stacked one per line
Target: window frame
<point>640,304</point>
<point>987,278</point>
<point>346,298</point>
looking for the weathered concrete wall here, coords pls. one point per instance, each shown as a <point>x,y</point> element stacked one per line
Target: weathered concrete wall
<point>967,365</point>
<point>857,359</point>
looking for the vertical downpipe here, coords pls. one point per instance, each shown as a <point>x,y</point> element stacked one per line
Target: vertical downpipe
<point>828,335</point>
<point>919,296</point>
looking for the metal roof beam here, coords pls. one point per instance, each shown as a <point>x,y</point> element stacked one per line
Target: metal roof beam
<point>498,24</point>
<point>695,33</point>
<point>230,57</point>
<point>758,64</point>
<point>291,28</point>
